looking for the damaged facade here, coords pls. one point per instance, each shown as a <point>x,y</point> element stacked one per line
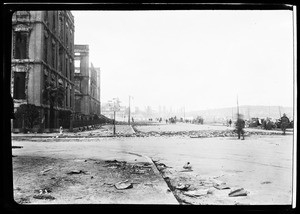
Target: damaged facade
<point>87,85</point>
<point>42,66</point>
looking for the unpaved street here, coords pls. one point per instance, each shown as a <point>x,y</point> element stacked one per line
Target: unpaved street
<point>260,164</point>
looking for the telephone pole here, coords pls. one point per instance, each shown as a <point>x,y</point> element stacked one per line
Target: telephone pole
<point>129,111</point>
<point>237,101</point>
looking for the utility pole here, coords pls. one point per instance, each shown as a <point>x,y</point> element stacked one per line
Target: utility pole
<point>129,112</point>
<point>279,111</point>
<point>114,122</point>
<point>237,101</point>
<point>114,106</point>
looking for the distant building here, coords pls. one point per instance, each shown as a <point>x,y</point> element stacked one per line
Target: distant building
<point>43,63</point>
<point>94,82</point>
<point>87,85</point>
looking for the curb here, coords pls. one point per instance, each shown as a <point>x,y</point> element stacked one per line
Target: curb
<point>156,171</point>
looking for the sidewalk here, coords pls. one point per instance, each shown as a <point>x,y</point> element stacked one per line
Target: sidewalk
<point>104,131</point>
<point>81,180</point>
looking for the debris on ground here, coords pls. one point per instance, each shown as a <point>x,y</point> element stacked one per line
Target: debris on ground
<point>210,191</point>
<point>23,200</point>
<point>187,166</point>
<point>221,186</point>
<point>108,184</point>
<point>266,182</point>
<point>123,185</point>
<point>76,172</point>
<point>140,168</point>
<point>161,165</point>
<point>114,163</point>
<point>46,170</point>
<point>196,193</point>
<point>139,171</point>
<point>183,187</point>
<point>200,134</point>
<point>43,191</point>
<point>238,192</point>
<point>47,197</point>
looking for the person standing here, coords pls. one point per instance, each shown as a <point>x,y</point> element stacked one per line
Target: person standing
<point>230,122</point>
<point>240,125</point>
<point>284,123</point>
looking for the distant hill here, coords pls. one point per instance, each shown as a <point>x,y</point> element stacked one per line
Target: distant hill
<point>248,112</point>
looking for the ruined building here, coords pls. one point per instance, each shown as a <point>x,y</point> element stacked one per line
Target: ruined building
<point>87,85</point>
<point>42,66</point>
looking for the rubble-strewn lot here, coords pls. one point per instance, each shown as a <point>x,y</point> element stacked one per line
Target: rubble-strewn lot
<point>40,180</point>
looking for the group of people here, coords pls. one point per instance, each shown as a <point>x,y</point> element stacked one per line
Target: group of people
<point>240,125</point>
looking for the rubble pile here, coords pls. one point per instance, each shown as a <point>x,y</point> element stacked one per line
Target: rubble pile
<point>200,134</point>
<point>130,168</point>
<point>190,188</point>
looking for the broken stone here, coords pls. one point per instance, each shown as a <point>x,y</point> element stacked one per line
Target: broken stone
<point>183,187</point>
<point>108,184</point>
<point>139,171</point>
<point>196,193</point>
<point>123,185</point>
<point>76,172</point>
<point>187,166</point>
<point>161,165</point>
<point>47,197</point>
<point>221,186</point>
<point>238,192</point>
<point>210,191</point>
<point>114,163</point>
<point>266,182</point>
<point>112,167</point>
<point>43,191</point>
<point>46,170</point>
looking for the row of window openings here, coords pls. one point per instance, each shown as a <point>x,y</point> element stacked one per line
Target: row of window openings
<point>54,22</point>
<point>21,49</point>
<point>19,88</point>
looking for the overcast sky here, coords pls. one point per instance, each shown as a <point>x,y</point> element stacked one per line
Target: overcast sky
<point>197,59</point>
